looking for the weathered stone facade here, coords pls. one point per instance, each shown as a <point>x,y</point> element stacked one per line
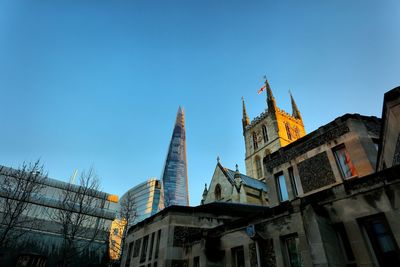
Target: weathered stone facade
<point>337,211</point>
<point>272,129</point>
<point>311,163</point>
<point>316,172</point>
<point>224,187</point>
<point>215,232</point>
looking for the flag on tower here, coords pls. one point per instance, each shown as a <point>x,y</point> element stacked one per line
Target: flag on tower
<point>261,89</point>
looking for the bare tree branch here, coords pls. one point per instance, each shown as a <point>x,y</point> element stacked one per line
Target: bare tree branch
<point>18,189</point>
<point>80,225</point>
<point>127,215</point>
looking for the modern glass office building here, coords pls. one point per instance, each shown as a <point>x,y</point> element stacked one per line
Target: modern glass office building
<point>148,200</point>
<point>174,177</point>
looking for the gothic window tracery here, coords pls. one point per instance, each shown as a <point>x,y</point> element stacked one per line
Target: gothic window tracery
<point>255,142</point>
<point>288,131</point>
<point>217,192</point>
<point>265,133</point>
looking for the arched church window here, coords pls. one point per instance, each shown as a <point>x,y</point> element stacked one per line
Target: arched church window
<point>265,133</point>
<point>258,167</point>
<point>296,132</point>
<point>255,143</point>
<point>217,192</point>
<point>288,132</point>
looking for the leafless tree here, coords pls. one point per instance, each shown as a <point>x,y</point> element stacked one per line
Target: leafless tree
<point>78,216</point>
<point>127,215</point>
<point>18,189</point>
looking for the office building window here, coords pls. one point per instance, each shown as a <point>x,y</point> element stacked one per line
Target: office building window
<point>144,249</point>
<point>238,256</point>
<point>255,143</point>
<point>381,239</point>
<point>281,186</point>
<point>293,256</point>
<point>343,160</point>
<point>293,182</point>
<point>265,133</point>
<point>196,262</point>
<point>217,192</point>
<point>259,167</point>
<point>345,244</point>
<point>288,131</point>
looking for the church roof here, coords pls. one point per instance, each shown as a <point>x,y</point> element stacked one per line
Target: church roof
<point>247,180</point>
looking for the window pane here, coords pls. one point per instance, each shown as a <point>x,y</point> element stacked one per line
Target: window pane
<point>382,240</point>
<point>265,133</point>
<point>343,160</point>
<point>283,194</point>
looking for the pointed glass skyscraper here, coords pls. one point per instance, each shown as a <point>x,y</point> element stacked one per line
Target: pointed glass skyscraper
<point>174,177</point>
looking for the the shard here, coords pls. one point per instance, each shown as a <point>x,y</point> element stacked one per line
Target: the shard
<point>174,176</point>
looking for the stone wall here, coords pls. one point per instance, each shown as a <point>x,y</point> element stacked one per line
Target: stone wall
<point>316,172</point>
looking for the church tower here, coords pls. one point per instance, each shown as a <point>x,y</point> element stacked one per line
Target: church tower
<point>272,129</point>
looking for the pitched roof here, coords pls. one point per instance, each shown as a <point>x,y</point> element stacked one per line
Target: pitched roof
<point>247,180</point>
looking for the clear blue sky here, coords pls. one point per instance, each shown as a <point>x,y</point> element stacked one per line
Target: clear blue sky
<point>99,83</point>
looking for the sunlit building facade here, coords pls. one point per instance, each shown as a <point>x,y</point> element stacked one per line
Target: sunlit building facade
<point>147,197</point>
<point>174,177</point>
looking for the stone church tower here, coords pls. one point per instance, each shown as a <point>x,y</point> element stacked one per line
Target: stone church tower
<point>271,130</point>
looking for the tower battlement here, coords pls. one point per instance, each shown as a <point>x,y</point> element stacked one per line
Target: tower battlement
<point>272,129</point>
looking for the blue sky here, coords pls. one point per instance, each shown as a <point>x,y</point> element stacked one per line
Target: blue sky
<point>98,83</point>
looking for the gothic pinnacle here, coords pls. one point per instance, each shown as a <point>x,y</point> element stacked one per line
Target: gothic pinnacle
<point>295,110</point>
<point>270,97</point>
<point>245,119</point>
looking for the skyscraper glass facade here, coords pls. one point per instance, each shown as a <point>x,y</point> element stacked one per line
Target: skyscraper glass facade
<point>174,177</point>
<point>148,200</point>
